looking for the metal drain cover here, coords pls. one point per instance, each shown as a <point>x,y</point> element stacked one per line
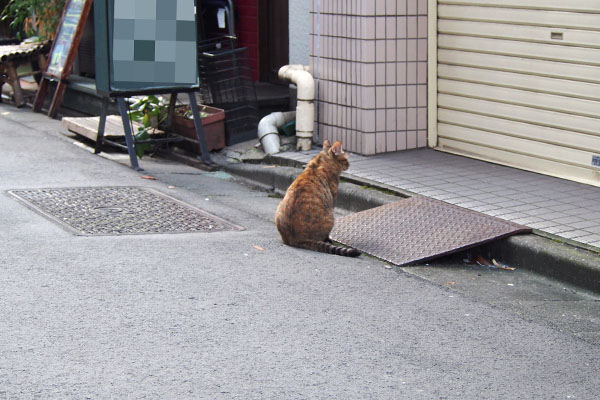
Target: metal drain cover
<point>120,210</point>
<point>419,229</point>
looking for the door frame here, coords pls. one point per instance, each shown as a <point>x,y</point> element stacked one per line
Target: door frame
<point>273,38</point>
<point>432,104</point>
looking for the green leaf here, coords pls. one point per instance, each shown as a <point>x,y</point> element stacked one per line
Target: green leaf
<point>141,148</point>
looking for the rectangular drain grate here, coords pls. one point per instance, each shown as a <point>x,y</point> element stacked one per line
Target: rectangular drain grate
<point>419,229</point>
<point>120,210</point>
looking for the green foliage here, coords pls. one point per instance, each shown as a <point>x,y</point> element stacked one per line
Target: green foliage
<point>186,112</point>
<point>142,144</point>
<point>34,17</point>
<point>149,111</point>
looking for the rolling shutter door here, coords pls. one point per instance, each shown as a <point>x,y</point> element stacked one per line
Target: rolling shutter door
<point>518,83</point>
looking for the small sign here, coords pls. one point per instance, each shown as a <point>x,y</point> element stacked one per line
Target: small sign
<point>596,160</point>
<point>67,39</point>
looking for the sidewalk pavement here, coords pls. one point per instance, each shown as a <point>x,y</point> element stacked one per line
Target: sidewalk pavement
<point>564,215</point>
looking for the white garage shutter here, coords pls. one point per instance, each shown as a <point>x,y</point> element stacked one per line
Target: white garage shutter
<point>518,83</point>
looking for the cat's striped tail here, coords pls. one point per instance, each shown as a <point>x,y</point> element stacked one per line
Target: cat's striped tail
<point>330,248</point>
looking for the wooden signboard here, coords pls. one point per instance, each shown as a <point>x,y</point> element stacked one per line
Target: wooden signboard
<point>62,54</point>
<point>146,47</point>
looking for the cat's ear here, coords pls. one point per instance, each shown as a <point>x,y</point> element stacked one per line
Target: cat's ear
<point>326,145</point>
<point>337,148</point>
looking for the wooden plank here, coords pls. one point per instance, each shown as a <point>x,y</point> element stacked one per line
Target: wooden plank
<point>561,5</point>
<point>556,19</point>
<point>561,87</point>
<point>517,145</point>
<point>88,127</point>
<point>570,54</point>
<point>551,102</point>
<point>521,114</point>
<point>535,164</point>
<point>544,134</point>
<point>563,70</point>
<point>535,34</point>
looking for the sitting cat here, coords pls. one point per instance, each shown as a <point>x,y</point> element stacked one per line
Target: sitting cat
<point>304,217</point>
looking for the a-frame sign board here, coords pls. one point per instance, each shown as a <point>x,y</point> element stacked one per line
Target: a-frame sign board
<point>147,47</point>
<point>62,53</point>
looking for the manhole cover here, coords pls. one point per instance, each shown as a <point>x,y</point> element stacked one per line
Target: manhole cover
<point>120,211</point>
<point>419,229</point>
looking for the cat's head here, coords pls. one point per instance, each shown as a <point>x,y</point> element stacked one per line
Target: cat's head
<point>337,154</point>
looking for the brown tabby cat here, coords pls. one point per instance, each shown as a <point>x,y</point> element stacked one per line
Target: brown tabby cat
<point>304,217</point>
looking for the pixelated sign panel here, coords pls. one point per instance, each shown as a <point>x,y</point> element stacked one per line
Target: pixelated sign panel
<point>153,44</point>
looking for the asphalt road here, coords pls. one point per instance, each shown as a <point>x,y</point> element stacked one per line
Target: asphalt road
<point>211,316</point>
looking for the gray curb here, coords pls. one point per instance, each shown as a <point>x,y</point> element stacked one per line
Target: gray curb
<point>561,261</point>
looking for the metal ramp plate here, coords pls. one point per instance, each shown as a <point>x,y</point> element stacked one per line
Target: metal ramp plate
<point>119,210</point>
<point>419,229</point>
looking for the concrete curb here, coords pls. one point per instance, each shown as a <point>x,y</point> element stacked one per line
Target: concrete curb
<point>549,257</point>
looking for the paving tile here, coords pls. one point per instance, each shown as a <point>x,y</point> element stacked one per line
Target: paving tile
<point>544,213</point>
<point>542,225</point>
<point>574,234</point>
<point>434,192</point>
<point>470,204</point>
<point>455,200</point>
<point>448,195</point>
<point>549,203</point>
<point>524,197</point>
<point>507,204</point>
<point>525,207</point>
<point>594,229</point>
<point>495,212</point>
<point>595,244</point>
<point>511,216</point>
<point>557,229</point>
<point>589,238</point>
<point>579,211</point>
<point>562,207</point>
<point>483,196</point>
<point>567,220</point>
<point>584,224</point>
<point>527,220</point>
<point>591,216</point>
<point>581,202</point>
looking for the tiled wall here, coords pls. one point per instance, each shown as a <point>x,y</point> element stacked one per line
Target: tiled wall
<point>370,61</point>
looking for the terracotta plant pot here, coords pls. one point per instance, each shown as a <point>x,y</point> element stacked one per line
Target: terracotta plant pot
<point>213,124</point>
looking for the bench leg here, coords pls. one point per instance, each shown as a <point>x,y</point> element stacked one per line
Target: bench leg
<point>13,80</point>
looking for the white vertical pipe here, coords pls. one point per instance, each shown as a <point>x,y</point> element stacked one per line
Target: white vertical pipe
<point>305,108</point>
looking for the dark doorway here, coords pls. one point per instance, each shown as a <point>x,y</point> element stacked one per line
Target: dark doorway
<point>273,37</point>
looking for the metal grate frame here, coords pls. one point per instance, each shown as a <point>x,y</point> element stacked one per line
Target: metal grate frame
<point>119,210</point>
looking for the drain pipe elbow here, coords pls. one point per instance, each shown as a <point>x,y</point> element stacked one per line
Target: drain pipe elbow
<point>267,130</point>
<point>305,108</point>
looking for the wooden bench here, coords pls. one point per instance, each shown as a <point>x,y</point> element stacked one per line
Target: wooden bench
<point>12,56</point>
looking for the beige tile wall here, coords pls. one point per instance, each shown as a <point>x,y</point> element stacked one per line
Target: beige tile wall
<point>370,61</point>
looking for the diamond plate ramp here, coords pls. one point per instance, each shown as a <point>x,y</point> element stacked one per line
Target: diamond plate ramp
<point>419,229</point>
<point>119,210</point>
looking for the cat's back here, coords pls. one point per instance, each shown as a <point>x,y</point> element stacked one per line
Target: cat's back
<point>307,203</point>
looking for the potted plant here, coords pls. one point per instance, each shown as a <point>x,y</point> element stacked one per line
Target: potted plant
<point>149,112</point>
<point>213,122</point>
